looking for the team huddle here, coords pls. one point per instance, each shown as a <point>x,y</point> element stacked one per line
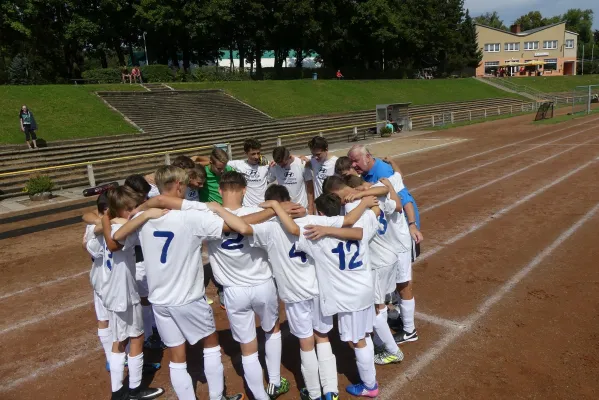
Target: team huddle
<point>327,236</point>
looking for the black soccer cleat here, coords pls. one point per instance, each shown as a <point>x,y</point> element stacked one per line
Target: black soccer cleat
<point>404,337</point>
<point>145,394</point>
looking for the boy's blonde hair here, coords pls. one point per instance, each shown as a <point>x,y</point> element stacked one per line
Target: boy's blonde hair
<point>169,174</point>
<point>219,155</point>
<point>122,198</point>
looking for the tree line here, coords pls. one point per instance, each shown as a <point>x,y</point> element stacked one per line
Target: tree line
<point>56,40</point>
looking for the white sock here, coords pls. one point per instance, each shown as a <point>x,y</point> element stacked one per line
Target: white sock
<point>117,370</point>
<point>148,317</point>
<point>369,344</point>
<point>378,342</point>
<point>327,365</point>
<point>310,373</point>
<point>273,349</point>
<point>365,362</point>
<point>382,330</point>
<point>105,336</point>
<point>136,366</point>
<point>214,371</point>
<point>252,372</point>
<point>408,308</point>
<point>181,381</point>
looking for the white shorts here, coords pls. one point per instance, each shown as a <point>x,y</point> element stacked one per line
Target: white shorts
<point>141,279</point>
<point>191,322</point>
<point>102,314</point>
<point>244,302</point>
<point>354,326</point>
<point>127,324</point>
<point>305,317</point>
<point>384,282</point>
<point>404,267</point>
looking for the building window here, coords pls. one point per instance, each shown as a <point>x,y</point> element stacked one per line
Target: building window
<point>491,67</point>
<point>512,47</point>
<point>531,45</point>
<point>492,47</point>
<point>550,44</point>
<point>550,64</point>
<point>569,43</point>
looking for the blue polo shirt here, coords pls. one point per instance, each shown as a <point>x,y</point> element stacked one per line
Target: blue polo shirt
<point>406,197</point>
<point>379,170</point>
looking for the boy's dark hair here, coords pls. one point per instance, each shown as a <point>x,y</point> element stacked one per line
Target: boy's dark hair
<point>280,154</point>
<point>328,204</point>
<point>342,164</point>
<point>278,193</point>
<point>251,144</point>
<point>122,198</point>
<point>232,180</point>
<point>353,181</point>
<point>318,143</point>
<point>102,203</point>
<point>183,162</point>
<point>219,155</point>
<point>139,184</point>
<point>197,172</point>
<point>333,184</point>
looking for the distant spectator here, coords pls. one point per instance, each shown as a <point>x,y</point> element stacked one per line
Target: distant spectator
<point>136,74</point>
<point>125,74</point>
<point>28,126</point>
<point>339,74</point>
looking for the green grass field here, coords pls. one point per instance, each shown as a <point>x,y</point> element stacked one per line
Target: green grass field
<point>552,84</point>
<point>68,111</point>
<point>281,99</point>
<point>61,112</point>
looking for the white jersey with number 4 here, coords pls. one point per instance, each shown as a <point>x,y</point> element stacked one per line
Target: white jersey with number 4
<point>294,179</point>
<point>119,291</point>
<point>293,270</point>
<point>344,276</point>
<point>234,262</point>
<point>172,247</point>
<point>257,178</point>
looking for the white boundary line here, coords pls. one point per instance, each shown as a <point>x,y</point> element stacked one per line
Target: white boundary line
<point>447,323</point>
<point>502,212</point>
<point>48,283</point>
<point>390,391</point>
<point>428,148</point>
<point>497,148</point>
<point>43,317</point>
<point>497,160</point>
<point>489,183</point>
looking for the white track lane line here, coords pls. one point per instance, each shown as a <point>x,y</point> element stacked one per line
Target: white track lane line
<point>496,160</point>
<point>433,319</point>
<point>497,148</point>
<point>503,211</point>
<point>428,148</point>
<point>390,391</point>
<point>43,317</point>
<point>474,189</point>
<point>48,283</point>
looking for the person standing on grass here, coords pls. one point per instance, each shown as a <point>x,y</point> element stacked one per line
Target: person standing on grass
<point>28,126</point>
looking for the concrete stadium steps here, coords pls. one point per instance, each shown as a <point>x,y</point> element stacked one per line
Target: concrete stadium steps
<point>163,112</point>
<point>139,144</point>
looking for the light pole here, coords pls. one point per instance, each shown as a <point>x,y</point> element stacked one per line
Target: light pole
<point>146,48</point>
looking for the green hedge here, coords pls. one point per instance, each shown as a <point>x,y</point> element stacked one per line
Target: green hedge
<point>157,73</point>
<point>103,75</point>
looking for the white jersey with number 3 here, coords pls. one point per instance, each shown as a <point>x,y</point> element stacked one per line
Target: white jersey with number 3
<point>398,231</point>
<point>234,262</point>
<point>344,276</point>
<point>172,247</point>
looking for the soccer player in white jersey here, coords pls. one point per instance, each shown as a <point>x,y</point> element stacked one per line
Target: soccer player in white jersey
<point>295,276</point>
<point>257,176</point>
<point>249,289</point>
<point>291,172</point>
<point>407,304</point>
<point>172,249</point>
<point>120,296</point>
<point>93,243</point>
<point>322,165</point>
<point>345,282</point>
<point>385,249</point>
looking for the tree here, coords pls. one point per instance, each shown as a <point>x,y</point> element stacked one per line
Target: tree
<point>581,22</point>
<point>471,52</point>
<point>532,20</point>
<point>491,19</point>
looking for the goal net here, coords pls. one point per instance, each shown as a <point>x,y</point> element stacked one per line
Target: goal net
<point>583,98</point>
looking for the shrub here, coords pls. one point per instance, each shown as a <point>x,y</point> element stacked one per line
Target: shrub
<point>38,184</point>
<point>212,74</point>
<point>385,131</point>
<point>103,75</point>
<point>20,71</point>
<point>157,73</point>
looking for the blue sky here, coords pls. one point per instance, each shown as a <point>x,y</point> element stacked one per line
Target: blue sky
<point>510,10</point>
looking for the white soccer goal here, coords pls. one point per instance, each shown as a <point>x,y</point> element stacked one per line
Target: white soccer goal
<point>583,97</point>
